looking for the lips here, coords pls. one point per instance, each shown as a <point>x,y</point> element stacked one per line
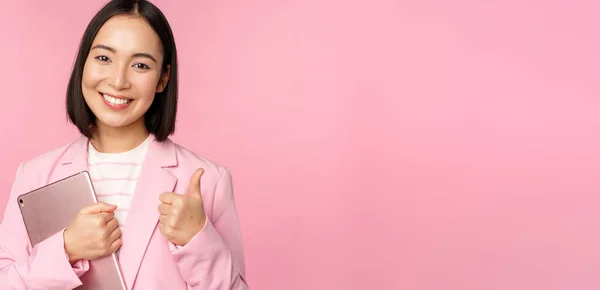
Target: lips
<point>115,102</point>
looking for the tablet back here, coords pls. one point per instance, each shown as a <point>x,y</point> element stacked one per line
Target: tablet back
<point>50,209</point>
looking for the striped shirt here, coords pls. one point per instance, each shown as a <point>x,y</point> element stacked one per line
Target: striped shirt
<point>115,176</point>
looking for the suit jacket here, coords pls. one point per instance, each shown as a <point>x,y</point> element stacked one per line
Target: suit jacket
<point>213,259</point>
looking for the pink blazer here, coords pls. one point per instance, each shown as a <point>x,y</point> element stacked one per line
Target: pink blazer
<point>213,259</point>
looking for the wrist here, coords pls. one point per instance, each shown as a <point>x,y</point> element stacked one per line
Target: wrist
<point>203,223</point>
<point>71,257</point>
<point>193,232</point>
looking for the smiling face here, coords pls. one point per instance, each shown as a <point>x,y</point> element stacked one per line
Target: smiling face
<point>123,72</point>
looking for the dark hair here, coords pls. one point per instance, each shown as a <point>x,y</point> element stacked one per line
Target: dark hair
<point>160,117</point>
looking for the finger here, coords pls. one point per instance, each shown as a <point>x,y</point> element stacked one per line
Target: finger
<point>114,235</point>
<point>101,219</point>
<point>162,227</point>
<point>164,209</point>
<point>163,220</point>
<point>115,245</point>
<point>98,208</point>
<point>194,188</point>
<point>168,221</point>
<point>105,217</point>
<point>165,230</point>
<point>167,197</point>
<point>111,225</point>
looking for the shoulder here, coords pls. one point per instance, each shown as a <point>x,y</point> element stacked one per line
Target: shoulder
<point>36,170</point>
<point>46,159</point>
<point>188,161</point>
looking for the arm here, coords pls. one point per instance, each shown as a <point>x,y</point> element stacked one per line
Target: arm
<point>214,258</point>
<point>45,266</point>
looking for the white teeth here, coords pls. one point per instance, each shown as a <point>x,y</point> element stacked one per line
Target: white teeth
<point>115,101</point>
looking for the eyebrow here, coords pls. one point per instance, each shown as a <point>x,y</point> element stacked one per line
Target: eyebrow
<point>138,54</point>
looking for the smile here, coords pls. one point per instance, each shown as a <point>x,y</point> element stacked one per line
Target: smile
<point>115,102</point>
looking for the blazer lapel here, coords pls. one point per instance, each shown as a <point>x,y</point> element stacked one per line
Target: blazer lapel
<point>143,215</point>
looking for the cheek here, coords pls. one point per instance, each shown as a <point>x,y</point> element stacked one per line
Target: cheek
<point>146,86</point>
<point>92,75</point>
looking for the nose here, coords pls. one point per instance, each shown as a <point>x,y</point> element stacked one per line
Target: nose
<point>118,78</point>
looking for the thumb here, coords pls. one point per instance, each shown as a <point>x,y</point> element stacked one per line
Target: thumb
<point>194,189</point>
<point>98,208</point>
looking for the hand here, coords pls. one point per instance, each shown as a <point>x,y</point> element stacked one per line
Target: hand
<point>93,234</point>
<point>182,216</point>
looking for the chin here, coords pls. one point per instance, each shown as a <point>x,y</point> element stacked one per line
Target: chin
<point>114,122</point>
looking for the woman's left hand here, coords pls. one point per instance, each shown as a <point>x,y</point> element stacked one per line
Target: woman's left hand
<point>182,216</point>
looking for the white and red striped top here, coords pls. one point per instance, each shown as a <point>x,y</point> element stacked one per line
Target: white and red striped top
<point>115,176</point>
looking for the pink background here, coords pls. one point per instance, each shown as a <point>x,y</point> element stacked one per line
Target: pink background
<point>374,144</point>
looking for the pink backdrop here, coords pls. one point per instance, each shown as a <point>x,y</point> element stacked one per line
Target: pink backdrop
<point>374,144</point>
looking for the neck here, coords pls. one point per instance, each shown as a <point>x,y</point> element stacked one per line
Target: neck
<point>107,139</point>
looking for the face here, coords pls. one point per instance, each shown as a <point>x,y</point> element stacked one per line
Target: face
<point>123,72</point>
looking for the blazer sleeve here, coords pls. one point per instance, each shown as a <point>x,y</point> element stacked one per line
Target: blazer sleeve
<point>214,258</point>
<point>45,266</point>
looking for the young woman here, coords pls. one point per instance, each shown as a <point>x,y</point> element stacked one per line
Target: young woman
<point>168,213</point>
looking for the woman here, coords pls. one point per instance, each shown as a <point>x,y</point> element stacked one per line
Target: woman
<point>168,214</point>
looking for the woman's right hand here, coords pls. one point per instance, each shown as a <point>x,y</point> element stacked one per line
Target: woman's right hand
<point>93,234</point>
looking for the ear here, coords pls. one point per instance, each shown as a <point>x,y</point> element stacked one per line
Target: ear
<point>164,80</point>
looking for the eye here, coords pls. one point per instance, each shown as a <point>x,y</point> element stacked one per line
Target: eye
<point>102,58</point>
<point>141,66</point>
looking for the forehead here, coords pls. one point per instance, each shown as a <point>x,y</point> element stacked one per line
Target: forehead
<point>128,34</point>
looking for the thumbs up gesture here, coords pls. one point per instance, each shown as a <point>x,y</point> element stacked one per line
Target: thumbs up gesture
<point>182,215</point>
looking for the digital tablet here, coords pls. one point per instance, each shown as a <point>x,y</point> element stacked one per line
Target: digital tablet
<point>51,208</point>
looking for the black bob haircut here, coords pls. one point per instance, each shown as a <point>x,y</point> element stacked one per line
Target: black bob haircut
<point>161,116</point>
